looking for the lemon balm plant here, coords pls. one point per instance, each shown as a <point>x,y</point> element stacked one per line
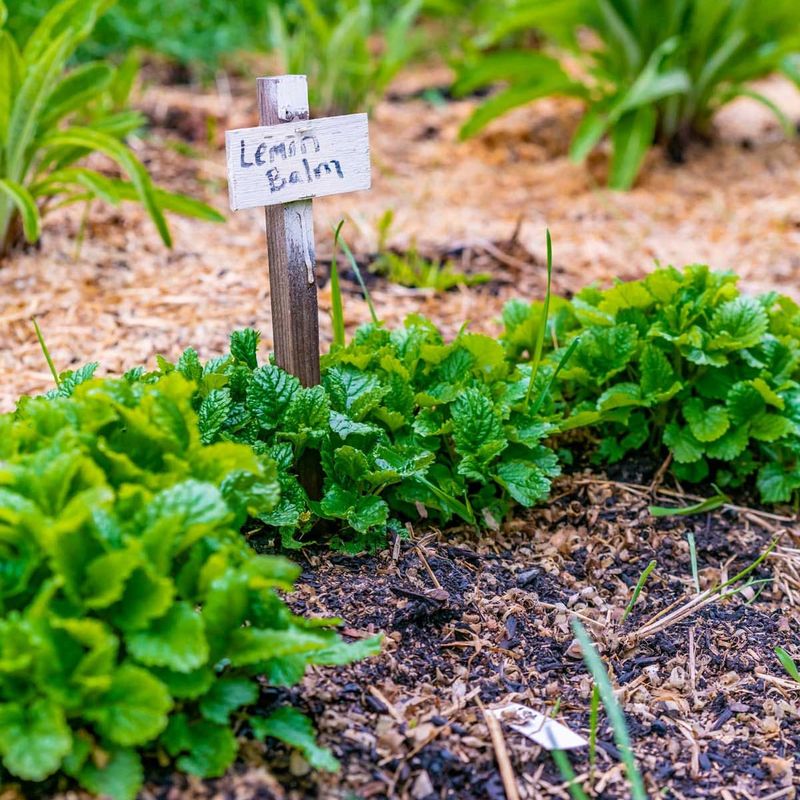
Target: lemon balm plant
<point>646,70</point>
<point>685,365</point>
<point>53,116</point>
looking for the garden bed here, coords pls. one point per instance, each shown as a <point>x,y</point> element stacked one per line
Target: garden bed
<point>486,621</point>
<point>473,621</point>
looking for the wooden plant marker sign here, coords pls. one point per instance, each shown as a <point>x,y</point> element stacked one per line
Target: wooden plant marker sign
<point>281,165</point>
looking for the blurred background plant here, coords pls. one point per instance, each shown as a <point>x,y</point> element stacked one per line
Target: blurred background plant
<point>655,71</point>
<point>53,116</point>
<point>198,32</point>
<point>350,49</point>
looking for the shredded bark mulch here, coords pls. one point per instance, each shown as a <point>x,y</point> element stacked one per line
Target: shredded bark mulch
<point>120,297</point>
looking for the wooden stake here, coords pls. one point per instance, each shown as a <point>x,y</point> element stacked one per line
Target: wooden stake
<point>281,165</point>
<point>290,246</point>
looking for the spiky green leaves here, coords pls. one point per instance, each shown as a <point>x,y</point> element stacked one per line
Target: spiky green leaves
<point>52,115</point>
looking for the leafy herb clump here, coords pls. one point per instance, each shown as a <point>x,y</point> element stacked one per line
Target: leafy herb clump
<point>403,425</point>
<point>133,615</point>
<point>681,362</point>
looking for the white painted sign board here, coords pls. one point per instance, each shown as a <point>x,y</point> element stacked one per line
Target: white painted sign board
<point>274,164</point>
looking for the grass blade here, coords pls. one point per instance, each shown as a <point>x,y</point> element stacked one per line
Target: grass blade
<point>597,669</point>
<point>568,775</point>
<point>43,345</point>
<point>693,559</point>
<point>337,306</point>
<point>709,504</point>
<point>354,266</point>
<point>594,719</point>
<point>540,334</point>
<point>787,662</point>
<point>638,590</point>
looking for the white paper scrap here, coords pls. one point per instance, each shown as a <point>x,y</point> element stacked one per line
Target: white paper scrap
<point>543,730</point>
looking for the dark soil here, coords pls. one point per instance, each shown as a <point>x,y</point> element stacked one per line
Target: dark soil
<point>470,620</point>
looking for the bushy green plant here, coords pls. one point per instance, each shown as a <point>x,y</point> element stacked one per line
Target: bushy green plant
<point>134,618</point>
<point>646,71</point>
<point>402,422</point>
<point>52,116</point>
<point>682,363</point>
<point>349,49</point>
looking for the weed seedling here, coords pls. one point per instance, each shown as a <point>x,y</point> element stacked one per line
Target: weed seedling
<point>787,662</point>
<point>638,590</point>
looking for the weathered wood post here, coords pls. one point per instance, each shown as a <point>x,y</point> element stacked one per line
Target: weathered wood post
<point>290,246</point>
<point>282,165</point>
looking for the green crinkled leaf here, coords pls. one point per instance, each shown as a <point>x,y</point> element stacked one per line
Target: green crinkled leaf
<point>226,696</point>
<point>309,410</point>
<point>251,645</point>
<point>362,512</point>
<point>176,641</point>
<point>244,346</point>
<point>738,323</point>
<point>189,365</point>
<point>186,685</point>
<point>768,395</point>
<point>602,352</point>
<point>120,778</point>
<point>477,429</point>
<point>768,427</point>
<point>354,391</point>
<point>270,393</point>
<point>685,448</point>
<point>146,595</point>
<point>730,445</point>
<point>744,402</point>
<point>657,376</point>
<point>212,413</point>
<point>134,709</point>
<point>295,729</point>
<point>350,463</point>
<point>707,423</point>
<point>777,484</point>
<point>202,747</point>
<point>34,738</point>
<point>524,480</point>
<point>620,395</point>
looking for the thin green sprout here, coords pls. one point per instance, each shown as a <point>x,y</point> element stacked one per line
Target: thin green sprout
<point>537,353</point>
<point>46,352</point>
<point>638,590</point>
<point>337,306</point>
<point>597,668</point>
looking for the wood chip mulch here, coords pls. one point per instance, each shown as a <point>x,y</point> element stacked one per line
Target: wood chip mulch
<point>121,298</point>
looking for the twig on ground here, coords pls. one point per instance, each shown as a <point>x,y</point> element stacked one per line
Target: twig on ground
<point>660,473</point>
<point>501,753</point>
